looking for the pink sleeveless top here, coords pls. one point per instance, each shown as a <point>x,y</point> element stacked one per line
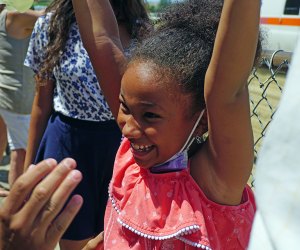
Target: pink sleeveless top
<point>169,211</point>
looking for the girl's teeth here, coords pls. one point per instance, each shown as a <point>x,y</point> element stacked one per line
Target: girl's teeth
<point>141,148</point>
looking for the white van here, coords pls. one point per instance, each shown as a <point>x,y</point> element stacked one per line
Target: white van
<point>280,20</point>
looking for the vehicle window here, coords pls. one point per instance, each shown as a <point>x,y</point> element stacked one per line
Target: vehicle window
<point>292,7</point>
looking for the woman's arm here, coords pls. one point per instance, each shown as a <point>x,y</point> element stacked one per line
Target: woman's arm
<point>100,36</point>
<point>41,111</point>
<point>230,146</point>
<point>20,25</point>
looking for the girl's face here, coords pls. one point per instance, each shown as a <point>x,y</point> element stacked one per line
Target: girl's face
<point>153,115</point>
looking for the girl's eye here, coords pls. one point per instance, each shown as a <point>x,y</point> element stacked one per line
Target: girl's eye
<point>150,115</point>
<point>123,107</point>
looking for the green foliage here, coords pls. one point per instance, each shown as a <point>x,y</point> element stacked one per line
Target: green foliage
<point>152,8</point>
<point>164,3</point>
<point>157,7</point>
<point>42,3</point>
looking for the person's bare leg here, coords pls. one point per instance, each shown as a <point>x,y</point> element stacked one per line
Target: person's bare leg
<point>72,244</point>
<point>17,158</point>
<point>3,138</point>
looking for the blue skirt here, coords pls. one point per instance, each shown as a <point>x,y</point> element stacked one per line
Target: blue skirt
<point>93,145</point>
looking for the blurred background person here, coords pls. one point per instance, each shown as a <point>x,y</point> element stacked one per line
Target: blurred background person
<point>70,116</point>
<point>16,84</point>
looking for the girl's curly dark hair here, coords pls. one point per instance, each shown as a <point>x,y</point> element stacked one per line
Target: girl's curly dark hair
<point>182,44</point>
<point>131,12</point>
<point>181,47</point>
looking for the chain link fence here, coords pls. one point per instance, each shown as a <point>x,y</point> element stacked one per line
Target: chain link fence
<point>265,86</point>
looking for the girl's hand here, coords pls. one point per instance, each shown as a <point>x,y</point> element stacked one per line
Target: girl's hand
<point>31,215</point>
<point>97,242</point>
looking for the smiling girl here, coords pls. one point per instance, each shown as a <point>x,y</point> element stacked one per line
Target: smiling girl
<point>169,189</point>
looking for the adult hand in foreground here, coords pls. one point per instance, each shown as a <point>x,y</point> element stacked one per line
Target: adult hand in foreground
<point>31,216</point>
<point>3,192</point>
<point>95,243</point>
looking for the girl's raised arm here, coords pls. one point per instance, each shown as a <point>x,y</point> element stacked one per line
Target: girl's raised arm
<point>100,35</point>
<point>230,145</point>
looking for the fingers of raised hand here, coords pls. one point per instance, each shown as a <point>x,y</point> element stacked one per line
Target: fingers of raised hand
<point>24,185</point>
<point>95,242</point>
<point>41,198</point>
<point>12,228</point>
<point>47,186</point>
<point>58,199</point>
<point>60,224</point>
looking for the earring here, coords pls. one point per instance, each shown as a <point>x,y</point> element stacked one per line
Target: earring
<point>199,139</point>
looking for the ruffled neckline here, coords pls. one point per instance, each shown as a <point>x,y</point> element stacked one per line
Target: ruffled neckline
<point>161,206</point>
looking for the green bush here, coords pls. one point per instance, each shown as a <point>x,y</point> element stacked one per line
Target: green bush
<point>42,3</point>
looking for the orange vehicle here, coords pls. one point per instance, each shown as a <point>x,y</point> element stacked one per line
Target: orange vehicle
<point>280,21</point>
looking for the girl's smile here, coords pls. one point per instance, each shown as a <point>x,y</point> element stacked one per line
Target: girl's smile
<point>141,148</point>
<point>152,115</point>
<point>141,152</point>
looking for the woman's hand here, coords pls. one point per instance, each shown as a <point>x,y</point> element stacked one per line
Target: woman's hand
<point>31,217</point>
<point>95,243</point>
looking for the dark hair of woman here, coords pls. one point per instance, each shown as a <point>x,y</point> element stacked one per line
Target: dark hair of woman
<point>132,12</point>
<point>134,15</point>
